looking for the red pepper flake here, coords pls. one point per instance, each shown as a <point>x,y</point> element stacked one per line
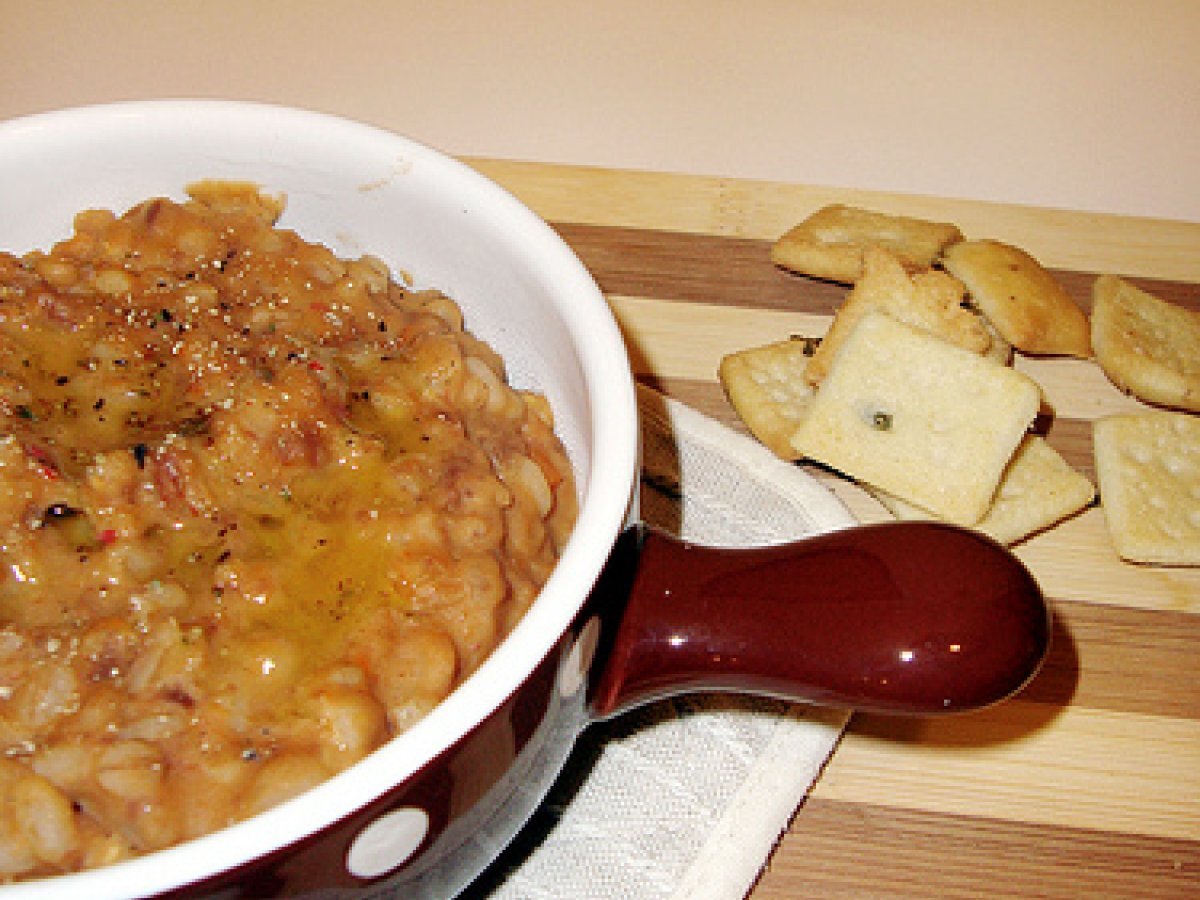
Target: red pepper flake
<point>315,366</point>
<point>107,536</point>
<point>45,462</point>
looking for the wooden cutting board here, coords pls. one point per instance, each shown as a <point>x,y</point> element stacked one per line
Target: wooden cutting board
<point>1088,783</point>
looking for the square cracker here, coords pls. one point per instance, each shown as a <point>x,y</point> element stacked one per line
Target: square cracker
<point>917,417</point>
<point>1145,345</point>
<point>830,242</point>
<point>1039,489</point>
<point>768,390</point>
<point>1028,306</point>
<point>1148,467</point>
<point>930,300</point>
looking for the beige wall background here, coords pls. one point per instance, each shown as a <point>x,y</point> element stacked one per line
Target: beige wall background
<point>1085,104</point>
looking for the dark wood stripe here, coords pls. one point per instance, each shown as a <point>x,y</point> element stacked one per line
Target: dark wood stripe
<point>695,268</point>
<point>861,850</point>
<point>736,271</point>
<point>1073,439</point>
<point>1121,659</point>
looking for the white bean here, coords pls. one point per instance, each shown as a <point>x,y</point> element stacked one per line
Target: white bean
<point>44,816</point>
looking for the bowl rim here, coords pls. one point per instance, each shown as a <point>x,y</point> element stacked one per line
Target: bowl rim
<point>604,508</point>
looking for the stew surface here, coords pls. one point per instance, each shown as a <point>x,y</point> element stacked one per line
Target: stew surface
<point>261,508</point>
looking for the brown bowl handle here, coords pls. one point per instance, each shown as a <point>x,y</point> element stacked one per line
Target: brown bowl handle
<point>901,617</point>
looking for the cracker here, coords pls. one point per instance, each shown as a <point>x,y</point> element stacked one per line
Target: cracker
<point>1039,489</point>
<point>929,300</point>
<point>1028,306</point>
<point>910,414</point>
<point>768,390</point>
<point>1000,350</point>
<point>829,243</point>
<point>1145,345</point>
<point>1148,468</point>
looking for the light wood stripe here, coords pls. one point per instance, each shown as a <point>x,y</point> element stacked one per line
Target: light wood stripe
<point>1072,388</point>
<point>763,210</point>
<point>652,329</point>
<point>1079,564</point>
<point>1075,388</point>
<point>1006,763</point>
<point>868,850</point>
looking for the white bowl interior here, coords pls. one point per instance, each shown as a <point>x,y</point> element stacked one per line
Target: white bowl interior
<point>361,190</point>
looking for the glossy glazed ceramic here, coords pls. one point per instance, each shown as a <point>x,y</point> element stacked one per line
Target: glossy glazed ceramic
<point>915,618</point>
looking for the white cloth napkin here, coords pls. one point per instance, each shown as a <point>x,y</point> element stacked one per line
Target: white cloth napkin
<point>686,798</point>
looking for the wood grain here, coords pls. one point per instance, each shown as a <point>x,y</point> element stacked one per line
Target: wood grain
<point>726,207</point>
<point>1087,784</point>
<point>867,850</point>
